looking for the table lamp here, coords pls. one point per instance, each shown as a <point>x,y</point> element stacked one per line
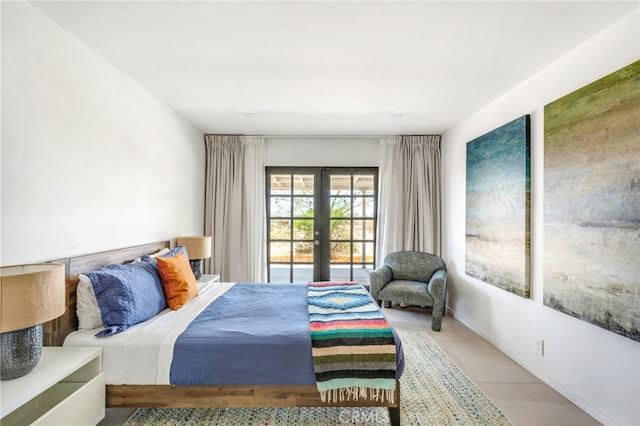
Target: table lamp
<point>198,248</point>
<point>30,295</point>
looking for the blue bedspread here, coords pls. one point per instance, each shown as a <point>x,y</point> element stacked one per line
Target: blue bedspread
<point>254,334</point>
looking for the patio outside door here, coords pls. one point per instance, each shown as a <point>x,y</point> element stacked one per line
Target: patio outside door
<point>321,223</point>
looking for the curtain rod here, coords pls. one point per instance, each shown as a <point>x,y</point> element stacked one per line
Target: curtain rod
<point>338,136</point>
<point>327,136</point>
<point>319,136</point>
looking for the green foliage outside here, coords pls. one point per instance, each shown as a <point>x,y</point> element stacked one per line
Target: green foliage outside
<point>303,226</point>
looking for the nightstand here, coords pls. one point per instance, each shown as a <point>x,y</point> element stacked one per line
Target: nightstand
<point>208,278</point>
<point>66,387</point>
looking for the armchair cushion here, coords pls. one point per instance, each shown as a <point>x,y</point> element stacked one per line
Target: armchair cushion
<point>406,292</point>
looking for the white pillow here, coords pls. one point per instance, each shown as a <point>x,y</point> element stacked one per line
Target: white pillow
<point>87,308</point>
<point>160,253</point>
<point>156,254</point>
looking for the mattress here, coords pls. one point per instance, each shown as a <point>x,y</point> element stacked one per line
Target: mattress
<point>143,354</point>
<point>231,334</point>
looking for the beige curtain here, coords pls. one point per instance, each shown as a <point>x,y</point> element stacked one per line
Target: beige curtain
<point>409,195</point>
<point>235,214</point>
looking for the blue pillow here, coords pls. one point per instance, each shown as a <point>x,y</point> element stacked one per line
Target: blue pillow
<point>127,295</point>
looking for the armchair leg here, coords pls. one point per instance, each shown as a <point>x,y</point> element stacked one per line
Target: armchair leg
<point>436,323</point>
<point>386,303</point>
<point>436,317</point>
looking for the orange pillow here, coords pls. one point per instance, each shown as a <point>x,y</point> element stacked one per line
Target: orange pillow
<point>178,281</point>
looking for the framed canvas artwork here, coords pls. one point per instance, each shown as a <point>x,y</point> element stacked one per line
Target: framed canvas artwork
<point>498,198</point>
<point>592,203</point>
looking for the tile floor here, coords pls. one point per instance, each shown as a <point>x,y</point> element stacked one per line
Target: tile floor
<point>524,398</point>
<point>519,394</point>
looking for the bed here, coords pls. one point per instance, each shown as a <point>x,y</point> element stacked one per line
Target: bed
<point>298,393</point>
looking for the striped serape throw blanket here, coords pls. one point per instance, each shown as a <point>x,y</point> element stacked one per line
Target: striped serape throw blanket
<point>354,353</point>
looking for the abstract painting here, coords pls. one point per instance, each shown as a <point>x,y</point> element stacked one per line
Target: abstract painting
<point>498,207</point>
<point>592,203</point>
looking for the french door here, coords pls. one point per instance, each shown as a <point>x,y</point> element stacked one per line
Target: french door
<point>321,223</point>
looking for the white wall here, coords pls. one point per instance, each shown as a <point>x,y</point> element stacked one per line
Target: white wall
<point>90,160</point>
<point>319,151</point>
<point>596,369</point>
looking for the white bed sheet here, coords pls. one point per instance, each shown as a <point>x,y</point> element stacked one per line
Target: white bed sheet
<point>142,354</point>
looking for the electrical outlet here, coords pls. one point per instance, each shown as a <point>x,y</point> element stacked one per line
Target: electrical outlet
<point>540,347</point>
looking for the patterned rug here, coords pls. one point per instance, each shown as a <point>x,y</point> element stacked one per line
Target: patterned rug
<point>434,391</point>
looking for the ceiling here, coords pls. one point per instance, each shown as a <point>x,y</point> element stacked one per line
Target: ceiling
<point>331,68</point>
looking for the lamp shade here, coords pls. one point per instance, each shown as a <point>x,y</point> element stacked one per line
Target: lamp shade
<point>197,247</point>
<point>31,295</point>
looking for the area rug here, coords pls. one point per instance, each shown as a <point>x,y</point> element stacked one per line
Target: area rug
<point>434,392</point>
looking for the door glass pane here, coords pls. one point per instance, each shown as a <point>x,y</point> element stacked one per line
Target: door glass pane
<point>280,252</point>
<point>303,252</point>
<point>359,206</point>
<point>340,252</point>
<point>340,273</point>
<point>358,229</point>
<point>340,184</point>
<point>303,184</point>
<point>369,229</point>
<point>340,229</point>
<point>340,207</point>
<point>280,229</point>
<point>371,207</point>
<point>363,207</point>
<point>303,229</point>
<point>303,207</point>
<point>363,252</point>
<point>280,184</point>
<point>279,273</point>
<point>363,229</point>
<point>369,252</point>
<point>302,273</point>
<point>363,185</point>
<point>358,253</point>
<point>280,207</point>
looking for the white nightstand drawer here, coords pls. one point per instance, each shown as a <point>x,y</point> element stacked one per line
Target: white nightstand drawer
<point>84,406</point>
<point>66,403</point>
<point>67,387</point>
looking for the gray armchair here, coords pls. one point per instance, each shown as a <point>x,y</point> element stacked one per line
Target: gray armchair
<point>412,278</point>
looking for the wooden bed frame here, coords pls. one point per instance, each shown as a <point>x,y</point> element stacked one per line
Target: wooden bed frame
<point>170,396</point>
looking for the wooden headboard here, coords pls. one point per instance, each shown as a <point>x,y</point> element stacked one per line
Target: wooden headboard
<point>56,330</point>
